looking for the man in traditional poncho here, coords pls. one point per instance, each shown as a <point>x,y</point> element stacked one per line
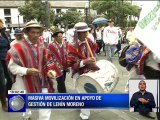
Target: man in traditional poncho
<point>28,63</point>
<point>57,58</point>
<point>79,57</point>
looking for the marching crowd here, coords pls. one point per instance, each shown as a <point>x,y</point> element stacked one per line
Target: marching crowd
<point>38,57</point>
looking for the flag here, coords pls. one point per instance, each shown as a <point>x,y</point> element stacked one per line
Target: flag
<point>148,27</point>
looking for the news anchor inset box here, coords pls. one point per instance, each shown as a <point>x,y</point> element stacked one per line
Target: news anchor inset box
<point>16,101</point>
<point>143,93</point>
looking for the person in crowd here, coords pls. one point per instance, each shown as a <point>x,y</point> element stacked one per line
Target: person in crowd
<point>3,89</point>
<point>99,39</point>
<point>103,45</point>
<point>47,36</point>
<point>91,33</point>
<point>110,38</point>
<point>119,41</point>
<point>70,33</point>
<point>129,34</point>
<point>142,101</point>
<point>57,58</point>
<point>4,47</point>
<point>19,36</point>
<point>8,32</point>
<point>80,59</point>
<point>28,63</point>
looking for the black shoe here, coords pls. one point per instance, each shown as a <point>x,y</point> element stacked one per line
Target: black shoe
<point>147,115</point>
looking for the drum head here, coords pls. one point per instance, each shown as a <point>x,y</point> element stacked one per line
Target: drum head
<point>91,86</point>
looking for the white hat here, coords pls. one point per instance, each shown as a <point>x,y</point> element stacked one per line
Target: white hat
<point>81,27</point>
<point>32,24</point>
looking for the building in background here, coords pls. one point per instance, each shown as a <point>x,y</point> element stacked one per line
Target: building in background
<point>10,14</point>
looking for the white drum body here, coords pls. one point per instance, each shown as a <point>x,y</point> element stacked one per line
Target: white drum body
<point>101,81</point>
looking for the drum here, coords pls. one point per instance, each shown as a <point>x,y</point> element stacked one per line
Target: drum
<point>101,81</point>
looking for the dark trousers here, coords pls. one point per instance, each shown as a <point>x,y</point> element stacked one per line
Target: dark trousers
<point>103,45</point>
<point>61,83</point>
<point>118,47</point>
<point>2,80</point>
<point>7,76</point>
<point>100,45</point>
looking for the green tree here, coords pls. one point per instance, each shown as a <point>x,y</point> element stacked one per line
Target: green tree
<point>118,10</point>
<point>37,10</point>
<point>70,16</point>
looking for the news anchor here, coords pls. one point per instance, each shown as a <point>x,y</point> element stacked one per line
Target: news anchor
<point>142,101</point>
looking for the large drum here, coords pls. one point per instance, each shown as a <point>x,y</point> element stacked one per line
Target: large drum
<point>101,81</point>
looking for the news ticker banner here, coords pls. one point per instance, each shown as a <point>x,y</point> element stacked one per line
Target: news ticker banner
<point>19,101</point>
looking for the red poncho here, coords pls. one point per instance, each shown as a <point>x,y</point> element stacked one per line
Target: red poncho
<point>29,56</point>
<point>79,53</point>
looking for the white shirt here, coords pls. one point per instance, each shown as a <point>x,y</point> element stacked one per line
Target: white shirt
<point>129,34</point>
<point>70,35</point>
<point>19,71</point>
<point>47,37</point>
<point>99,35</point>
<point>110,35</point>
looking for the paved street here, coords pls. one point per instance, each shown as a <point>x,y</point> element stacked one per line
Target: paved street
<point>108,114</point>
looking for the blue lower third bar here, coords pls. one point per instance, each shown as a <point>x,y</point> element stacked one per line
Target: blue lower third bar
<point>77,101</point>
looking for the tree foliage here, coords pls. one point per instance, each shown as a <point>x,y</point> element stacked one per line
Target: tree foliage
<point>36,10</point>
<point>70,16</point>
<point>118,10</point>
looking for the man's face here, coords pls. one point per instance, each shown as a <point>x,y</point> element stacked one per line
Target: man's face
<point>111,23</point>
<point>142,85</point>
<point>34,34</point>
<point>59,37</point>
<point>82,35</point>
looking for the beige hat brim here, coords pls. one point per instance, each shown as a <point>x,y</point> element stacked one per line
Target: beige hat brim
<point>40,27</point>
<point>32,25</point>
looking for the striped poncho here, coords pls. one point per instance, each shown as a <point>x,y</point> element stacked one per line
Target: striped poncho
<point>30,56</point>
<point>78,53</point>
<point>57,57</point>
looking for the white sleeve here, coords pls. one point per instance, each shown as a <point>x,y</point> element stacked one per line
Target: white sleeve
<point>16,69</point>
<point>81,64</point>
<point>105,35</point>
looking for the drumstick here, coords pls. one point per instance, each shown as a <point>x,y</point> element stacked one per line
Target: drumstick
<point>89,48</point>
